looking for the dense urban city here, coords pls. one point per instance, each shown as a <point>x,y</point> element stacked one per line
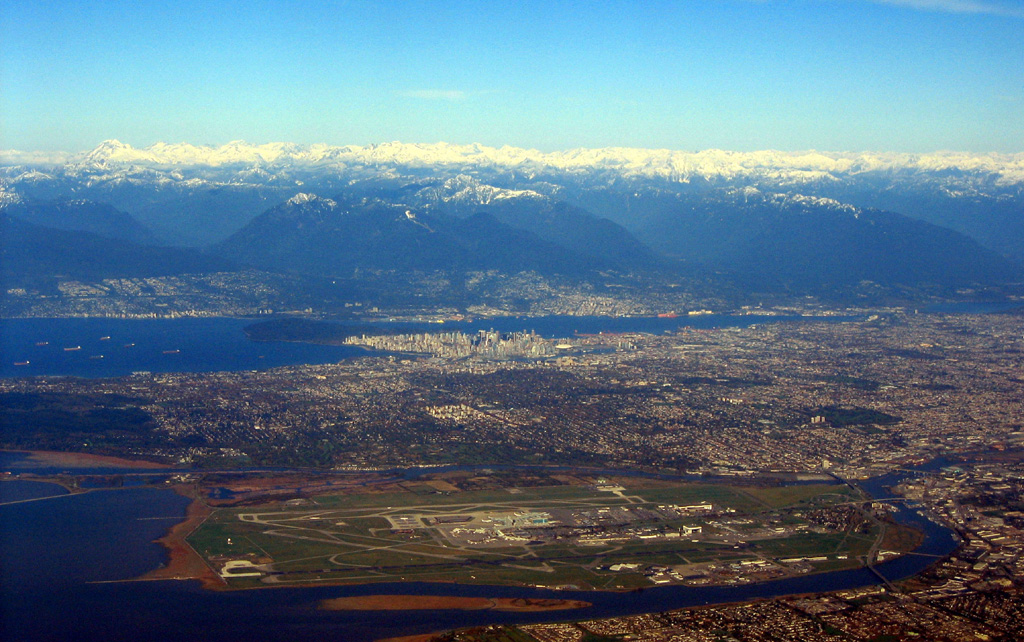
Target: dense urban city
<point>837,398</point>
<point>854,397</point>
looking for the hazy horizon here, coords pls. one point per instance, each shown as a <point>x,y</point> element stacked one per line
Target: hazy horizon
<point>69,152</point>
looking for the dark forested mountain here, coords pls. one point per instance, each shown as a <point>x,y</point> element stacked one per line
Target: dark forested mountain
<point>571,227</point>
<point>807,242</point>
<point>314,235</point>
<point>31,254</point>
<point>995,222</point>
<point>207,216</point>
<point>83,216</point>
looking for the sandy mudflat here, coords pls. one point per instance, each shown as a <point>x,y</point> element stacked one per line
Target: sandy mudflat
<point>443,602</point>
<point>84,460</point>
<point>184,563</point>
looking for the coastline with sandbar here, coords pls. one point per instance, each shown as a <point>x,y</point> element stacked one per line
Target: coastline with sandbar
<point>447,602</point>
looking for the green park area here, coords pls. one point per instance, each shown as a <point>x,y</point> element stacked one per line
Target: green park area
<point>617,534</point>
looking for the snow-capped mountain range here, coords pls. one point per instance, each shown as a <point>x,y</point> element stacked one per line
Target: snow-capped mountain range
<point>627,207</point>
<point>793,167</point>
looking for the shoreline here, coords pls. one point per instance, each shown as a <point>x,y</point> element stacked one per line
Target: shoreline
<point>183,562</point>
<point>445,602</point>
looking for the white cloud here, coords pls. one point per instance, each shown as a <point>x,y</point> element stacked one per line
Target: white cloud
<point>435,94</point>
<point>990,7</point>
<point>1010,8</point>
<point>18,157</point>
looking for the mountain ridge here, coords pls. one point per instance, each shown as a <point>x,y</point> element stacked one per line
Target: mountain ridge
<point>330,237</point>
<point>454,208</point>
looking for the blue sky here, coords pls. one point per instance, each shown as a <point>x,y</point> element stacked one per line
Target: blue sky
<point>837,75</point>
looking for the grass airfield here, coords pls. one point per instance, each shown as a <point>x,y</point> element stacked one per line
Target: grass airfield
<point>585,533</point>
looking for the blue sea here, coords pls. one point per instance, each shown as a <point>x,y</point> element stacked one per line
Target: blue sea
<point>103,347</point>
<point>100,347</point>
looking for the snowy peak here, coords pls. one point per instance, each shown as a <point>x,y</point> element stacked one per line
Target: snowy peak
<point>303,210</point>
<point>466,190</point>
<point>303,198</point>
<point>8,197</point>
<point>163,154</point>
<point>112,150</point>
<point>750,194</point>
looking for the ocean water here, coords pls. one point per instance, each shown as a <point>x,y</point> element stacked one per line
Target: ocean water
<point>116,347</point>
<point>101,347</point>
